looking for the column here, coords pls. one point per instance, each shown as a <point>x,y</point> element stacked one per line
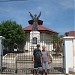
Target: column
<point>1,51</point>
<point>68,53</point>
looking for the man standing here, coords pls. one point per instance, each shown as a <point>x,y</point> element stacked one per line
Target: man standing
<point>45,60</point>
<point>37,59</point>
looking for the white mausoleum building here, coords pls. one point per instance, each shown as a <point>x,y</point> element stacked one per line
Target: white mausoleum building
<point>40,36</point>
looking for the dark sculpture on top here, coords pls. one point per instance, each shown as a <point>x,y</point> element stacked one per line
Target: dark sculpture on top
<point>35,19</point>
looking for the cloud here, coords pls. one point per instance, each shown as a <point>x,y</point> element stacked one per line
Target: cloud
<point>68,4</point>
<point>54,12</point>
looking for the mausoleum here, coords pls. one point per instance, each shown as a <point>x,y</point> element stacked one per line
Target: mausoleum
<point>36,33</point>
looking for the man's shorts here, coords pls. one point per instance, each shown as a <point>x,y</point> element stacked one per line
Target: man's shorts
<point>44,65</point>
<point>37,64</point>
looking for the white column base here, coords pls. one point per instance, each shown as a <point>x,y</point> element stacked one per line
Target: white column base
<point>72,70</point>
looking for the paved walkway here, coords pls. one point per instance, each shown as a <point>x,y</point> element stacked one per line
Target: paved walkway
<point>32,74</point>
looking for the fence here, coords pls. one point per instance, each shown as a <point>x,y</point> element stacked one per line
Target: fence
<point>21,63</point>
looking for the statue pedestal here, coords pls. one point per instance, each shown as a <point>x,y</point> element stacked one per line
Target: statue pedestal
<point>34,38</point>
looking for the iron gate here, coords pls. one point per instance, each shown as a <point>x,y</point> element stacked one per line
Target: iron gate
<point>21,62</point>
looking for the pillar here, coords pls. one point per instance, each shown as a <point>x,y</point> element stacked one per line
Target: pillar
<point>74,53</point>
<point>35,34</point>
<point>1,51</point>
<point>68,53</point>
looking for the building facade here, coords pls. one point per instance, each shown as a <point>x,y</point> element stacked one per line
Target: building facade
<point>40,36</point>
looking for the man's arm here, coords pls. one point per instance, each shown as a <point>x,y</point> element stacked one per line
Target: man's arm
<point>33,58</point>
<point>41,58</point>
<point>48,58</point>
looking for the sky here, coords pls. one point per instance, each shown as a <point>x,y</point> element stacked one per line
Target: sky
<point>57,15</point>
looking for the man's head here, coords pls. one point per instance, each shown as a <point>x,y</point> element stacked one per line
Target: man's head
<point>43,47</point>
<point>38,46</point>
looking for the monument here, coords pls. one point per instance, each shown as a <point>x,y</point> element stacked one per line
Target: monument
<point>37,33</point>
<point>34,34</point>
<point>35,19</point>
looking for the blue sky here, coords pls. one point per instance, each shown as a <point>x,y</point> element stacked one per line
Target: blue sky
<point>57,15</point>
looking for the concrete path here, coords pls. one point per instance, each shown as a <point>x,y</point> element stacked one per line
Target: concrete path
<point>32,74</point>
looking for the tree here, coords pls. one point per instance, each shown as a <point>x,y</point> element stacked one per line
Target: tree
<point>56,40</point>
<point>12,32</point>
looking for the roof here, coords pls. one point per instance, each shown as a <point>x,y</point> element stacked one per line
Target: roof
<point>70,33</point>
<point>40,28</point>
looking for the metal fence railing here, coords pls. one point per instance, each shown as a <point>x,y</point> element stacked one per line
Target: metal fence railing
<point>21,63</point>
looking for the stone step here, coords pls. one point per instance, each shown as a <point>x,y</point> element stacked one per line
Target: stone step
<point>28,57</point>
<point>18,61</point>
<point>24,60</point>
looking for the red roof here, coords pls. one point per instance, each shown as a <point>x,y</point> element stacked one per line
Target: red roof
<point>40,28</point>
<point>70,33</point>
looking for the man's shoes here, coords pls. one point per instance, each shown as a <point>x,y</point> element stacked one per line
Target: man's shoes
<point>45,73</point>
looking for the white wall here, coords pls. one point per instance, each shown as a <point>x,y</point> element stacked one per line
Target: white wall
<point>27,45</point>
<point>74,54</point>
<point>43,39</point>
<point>35,34</point>
<point>68,53</point>
<point>30,36</point>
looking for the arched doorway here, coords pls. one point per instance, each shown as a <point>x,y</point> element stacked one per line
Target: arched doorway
<point>34,40</point>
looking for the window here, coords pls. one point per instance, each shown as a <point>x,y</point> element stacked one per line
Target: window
<point>34,40</point>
